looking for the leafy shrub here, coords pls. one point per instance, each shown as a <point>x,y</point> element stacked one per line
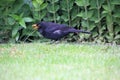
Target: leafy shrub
<point>101,17</point>
<point>14,16</point>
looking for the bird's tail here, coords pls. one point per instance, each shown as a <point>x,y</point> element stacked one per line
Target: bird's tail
<point>83,31</point>
<point>79,31</point>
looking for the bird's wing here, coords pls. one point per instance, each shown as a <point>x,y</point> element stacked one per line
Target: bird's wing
<point>57,32</point>
<point>51,24</point>
<point>51,29</point>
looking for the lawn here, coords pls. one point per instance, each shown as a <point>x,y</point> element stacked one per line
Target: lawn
<point>63,61</point>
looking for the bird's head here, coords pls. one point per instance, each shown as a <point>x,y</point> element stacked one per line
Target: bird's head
<point>36,26</point>
<point>40,25</point>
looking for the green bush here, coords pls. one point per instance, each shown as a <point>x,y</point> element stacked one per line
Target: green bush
<point>101,17</point>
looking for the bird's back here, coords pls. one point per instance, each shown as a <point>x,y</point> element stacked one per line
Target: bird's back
<point>51,24</point>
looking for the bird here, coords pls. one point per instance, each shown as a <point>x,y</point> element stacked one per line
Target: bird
<point>55,31</point>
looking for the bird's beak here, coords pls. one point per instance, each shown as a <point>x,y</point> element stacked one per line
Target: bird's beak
<point>35,26</point>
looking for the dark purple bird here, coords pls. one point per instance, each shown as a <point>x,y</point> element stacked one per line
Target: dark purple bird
<point>55,31</point>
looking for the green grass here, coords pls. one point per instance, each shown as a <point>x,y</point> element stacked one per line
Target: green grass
<point>42,61</point>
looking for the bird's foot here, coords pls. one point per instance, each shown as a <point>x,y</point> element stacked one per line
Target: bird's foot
<point>54,42</point>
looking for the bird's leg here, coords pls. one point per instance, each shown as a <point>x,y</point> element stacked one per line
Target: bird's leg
<point>77,33</point>
<point>56,42</point>
<point>52,41</point>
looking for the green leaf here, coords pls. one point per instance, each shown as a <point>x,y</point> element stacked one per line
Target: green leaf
<point>96,17</point>
<point>116,12</point>
<point>40,1</point>
<point>117,37</point>
<point>43,6</point>
<point>94,33</point>
<point>28,19</point>
<point>91,26</point>
<point>14,31</point>
<point>105,12</point>
<point>96,4</point>
<point>39,7</point>
<point>53,9</point>
<point>16,17</point>
<point>54,1</point>
<point>6,2</point>
<point>80,14</point>
<point>39,16</point>
<point>35,4</point>
<point>117,21</point>
<point>11,21</point>
<point>84,23</point>
<point>17,36</point>
<point>108,8</point>
<point>74,13</point>
<point>75,22</point>
<point>84,16</point>
<point>65,16</point>
<point>116,2</point>
<point>70,4</point>
<point>17,6</point>
<point>82,2</point>
<point>22,23</point>
<point>63,5</point>
<point>117,29</point>
<point>66,5</point>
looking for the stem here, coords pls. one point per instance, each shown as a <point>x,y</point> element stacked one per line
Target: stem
<point>68,10</point>
<point>29,36</point>
<point>6,11</point>
<point>86,13</point>
<point>39,14</point>
<point>99,23</point>
<point>78,22</point>
<point>54,15</point>
<point>110,26</point>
